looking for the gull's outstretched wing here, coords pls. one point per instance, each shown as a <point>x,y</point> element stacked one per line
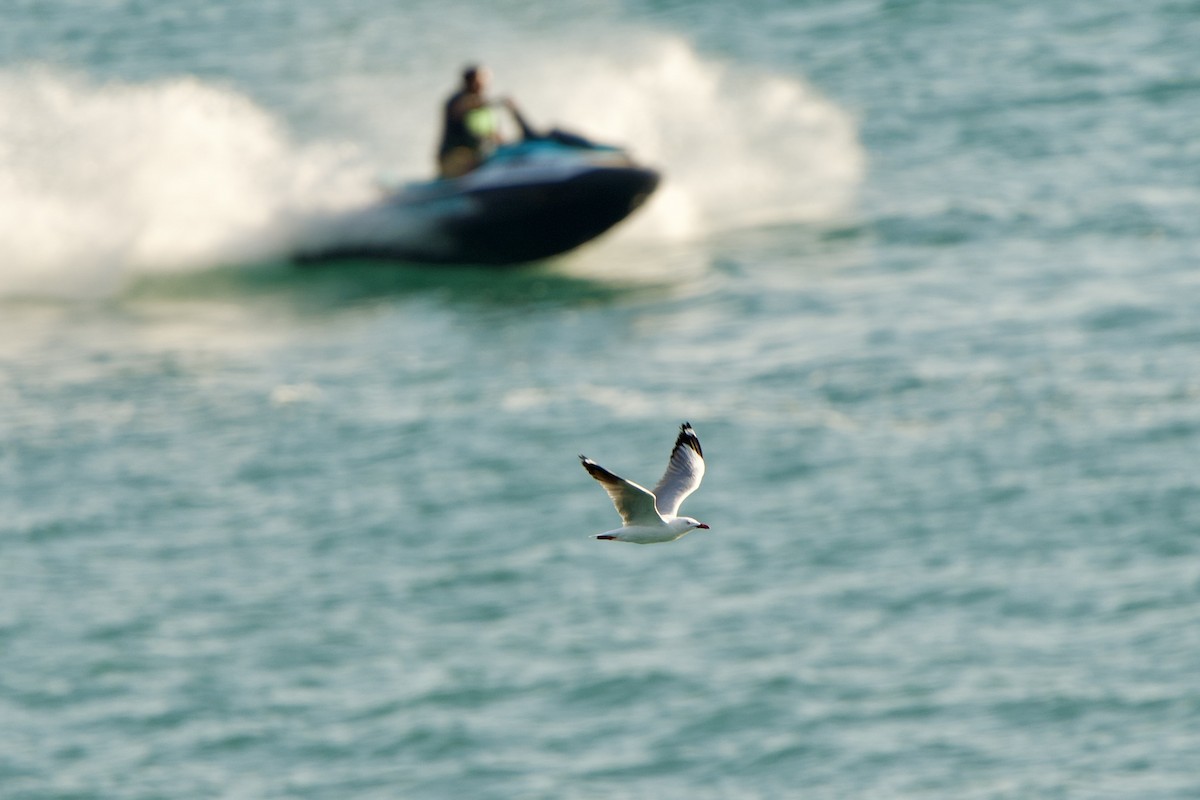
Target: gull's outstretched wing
<point>684,472</point>
<point>634,503</point>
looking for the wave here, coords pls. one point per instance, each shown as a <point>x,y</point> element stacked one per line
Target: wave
<point>103,181</point>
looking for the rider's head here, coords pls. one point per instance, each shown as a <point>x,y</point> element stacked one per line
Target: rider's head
<point>475,78</point>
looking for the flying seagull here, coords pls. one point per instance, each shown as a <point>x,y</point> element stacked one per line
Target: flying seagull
<point>650,517</point>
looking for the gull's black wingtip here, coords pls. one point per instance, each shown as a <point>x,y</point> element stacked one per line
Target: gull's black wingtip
<point>687,437</point>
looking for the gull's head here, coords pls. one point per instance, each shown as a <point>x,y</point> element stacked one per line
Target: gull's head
<point>688,524</point>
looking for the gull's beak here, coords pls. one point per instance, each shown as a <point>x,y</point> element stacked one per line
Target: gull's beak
<point>702,525</point>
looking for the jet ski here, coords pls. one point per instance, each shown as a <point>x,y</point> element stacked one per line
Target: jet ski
<point>531,199</point>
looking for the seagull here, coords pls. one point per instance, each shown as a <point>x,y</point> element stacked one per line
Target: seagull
<point>650,517</point>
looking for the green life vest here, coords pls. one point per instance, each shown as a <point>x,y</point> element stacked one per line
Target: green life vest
<point>481,122</point>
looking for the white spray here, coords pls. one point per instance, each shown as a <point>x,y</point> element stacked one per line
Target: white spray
<point>101,181</point>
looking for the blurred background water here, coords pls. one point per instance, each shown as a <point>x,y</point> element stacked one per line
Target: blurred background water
<point>922,275</point>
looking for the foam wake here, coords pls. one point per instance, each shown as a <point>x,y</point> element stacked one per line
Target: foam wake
<point>101,181</point>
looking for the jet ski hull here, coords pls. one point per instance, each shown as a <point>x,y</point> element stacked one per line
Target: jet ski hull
<point>527,223</point>
<point>525,207</point>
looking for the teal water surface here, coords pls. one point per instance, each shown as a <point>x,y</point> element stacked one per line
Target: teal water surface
<point>922,275</point>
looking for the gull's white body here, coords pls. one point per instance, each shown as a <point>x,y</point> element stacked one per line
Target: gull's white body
<point>652,517</point>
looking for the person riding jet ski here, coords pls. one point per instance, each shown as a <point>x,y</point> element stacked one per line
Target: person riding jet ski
<point>470,130</point>
<point>494,202</point>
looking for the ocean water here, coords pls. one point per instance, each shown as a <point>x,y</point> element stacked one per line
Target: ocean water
<point>923,275</point>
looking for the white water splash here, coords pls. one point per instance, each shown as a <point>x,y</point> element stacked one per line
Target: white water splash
<point>737,146</point>
<point>98,182</point>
